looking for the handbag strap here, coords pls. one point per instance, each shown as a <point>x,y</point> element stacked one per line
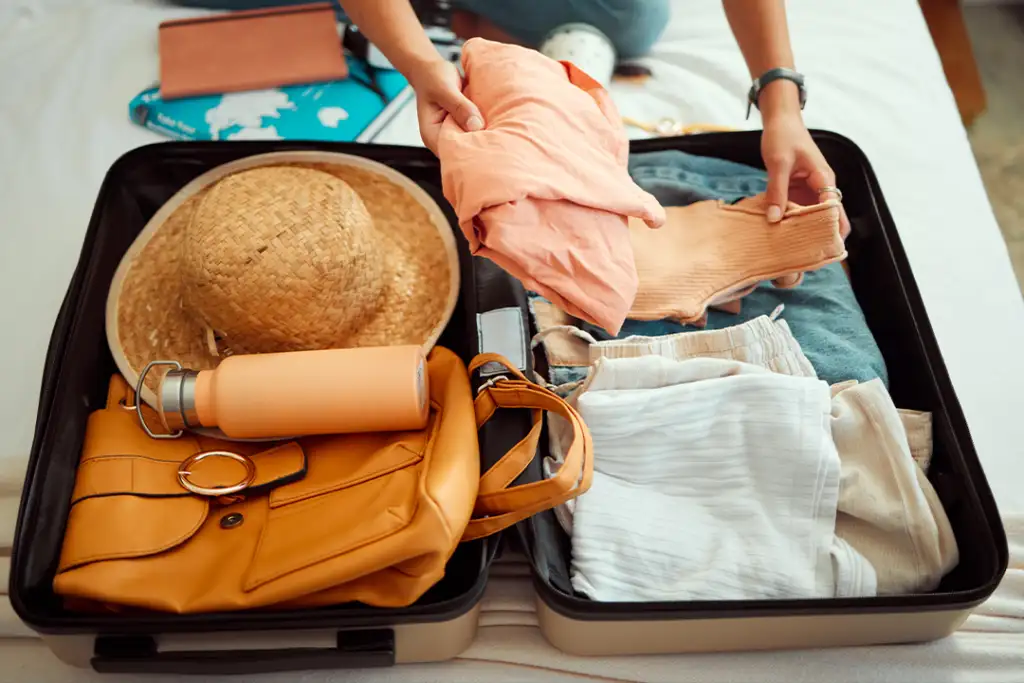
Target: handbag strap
<point>498,505</point>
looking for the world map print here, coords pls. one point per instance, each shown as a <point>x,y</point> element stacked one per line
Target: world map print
<point>337,111</point>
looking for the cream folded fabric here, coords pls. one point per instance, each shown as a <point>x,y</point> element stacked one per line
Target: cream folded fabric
<point>887,508</point>
<point>888,512</point>
<point>918,426</point>
<point>714,480</point>
<point>765,341</point>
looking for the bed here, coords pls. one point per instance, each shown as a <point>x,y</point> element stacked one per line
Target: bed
<point>69,67</point>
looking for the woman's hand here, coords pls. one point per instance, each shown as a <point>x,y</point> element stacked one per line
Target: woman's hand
<point>394,28</point>
<point>438,87</point>
<point>796,168</point>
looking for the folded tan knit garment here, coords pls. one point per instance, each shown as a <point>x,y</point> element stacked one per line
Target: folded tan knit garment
<point>710,253</point>
<point>735,306</point>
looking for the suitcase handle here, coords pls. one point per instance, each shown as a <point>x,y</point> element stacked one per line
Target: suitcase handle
<point>139,654</point>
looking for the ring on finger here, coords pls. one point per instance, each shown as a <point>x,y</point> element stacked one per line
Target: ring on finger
<point>833,189</point>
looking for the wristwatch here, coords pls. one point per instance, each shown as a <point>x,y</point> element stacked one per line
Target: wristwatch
<point>775,75</point>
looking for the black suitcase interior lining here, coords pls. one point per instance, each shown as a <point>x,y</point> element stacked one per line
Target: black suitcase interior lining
<point>881,278</point>
<point>79,366</point>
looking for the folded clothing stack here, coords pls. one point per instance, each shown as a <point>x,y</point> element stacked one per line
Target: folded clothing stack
<point>740,475</point>
<point>543,191</point>
<point>823,312</point>
<point>714,480</point>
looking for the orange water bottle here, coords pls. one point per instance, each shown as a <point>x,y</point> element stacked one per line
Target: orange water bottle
<point>269,395</point>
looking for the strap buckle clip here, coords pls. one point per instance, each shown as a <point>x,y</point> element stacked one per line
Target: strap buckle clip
<point>491,382</point>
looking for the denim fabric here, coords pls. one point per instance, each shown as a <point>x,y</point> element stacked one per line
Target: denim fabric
<point>238,4</point>
<point>677,178</point>
<point>822,312</point>
<point>632,25</point>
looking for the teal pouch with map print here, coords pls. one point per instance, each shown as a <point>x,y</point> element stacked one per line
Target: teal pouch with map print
<point>351,110</point>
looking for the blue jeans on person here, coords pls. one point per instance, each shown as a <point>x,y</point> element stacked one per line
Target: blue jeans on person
<point>632,25</point>
<point>822,312</point>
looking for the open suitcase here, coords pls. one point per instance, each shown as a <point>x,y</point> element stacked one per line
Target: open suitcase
<point>885,288</point>
<point>493,317</point>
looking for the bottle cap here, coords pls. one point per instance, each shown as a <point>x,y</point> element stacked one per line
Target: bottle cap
<point>177,400</point>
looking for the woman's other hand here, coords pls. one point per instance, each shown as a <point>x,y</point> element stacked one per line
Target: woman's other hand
<point>438,87</point>
<point>394,28</point>
<point>796,168</point>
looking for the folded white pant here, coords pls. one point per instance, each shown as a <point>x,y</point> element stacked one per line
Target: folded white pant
<point>764,341</point>
<point>714,480</point>
<point>887,508</point>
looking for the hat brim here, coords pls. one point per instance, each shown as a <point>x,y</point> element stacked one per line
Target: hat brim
<point>144,318</point>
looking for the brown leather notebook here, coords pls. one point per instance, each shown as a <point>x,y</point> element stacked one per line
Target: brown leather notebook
<point>250,50</point>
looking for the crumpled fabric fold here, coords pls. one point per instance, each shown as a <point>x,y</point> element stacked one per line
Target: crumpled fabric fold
<point>543,190</point>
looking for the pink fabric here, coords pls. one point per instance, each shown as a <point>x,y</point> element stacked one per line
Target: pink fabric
<point>543,190</point>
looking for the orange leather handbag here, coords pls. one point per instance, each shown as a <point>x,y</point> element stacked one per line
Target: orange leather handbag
<point>198,524</point>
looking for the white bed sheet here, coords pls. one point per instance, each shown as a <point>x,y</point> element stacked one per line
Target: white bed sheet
<point>69,67</point>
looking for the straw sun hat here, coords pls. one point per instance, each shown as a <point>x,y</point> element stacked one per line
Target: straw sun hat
<point>283,252</point>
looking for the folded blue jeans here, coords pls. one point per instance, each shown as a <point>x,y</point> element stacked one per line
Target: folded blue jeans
<point>822,311</point>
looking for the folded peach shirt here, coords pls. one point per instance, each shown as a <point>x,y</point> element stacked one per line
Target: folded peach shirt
<point>544,190</point>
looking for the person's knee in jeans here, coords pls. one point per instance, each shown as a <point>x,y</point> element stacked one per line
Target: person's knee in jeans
<point>633,26</point>
<point>237,5</point>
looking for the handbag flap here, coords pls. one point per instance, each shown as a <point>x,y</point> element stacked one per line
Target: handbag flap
<point>128,500</point>
<point>343,460</point>
<point>119,458</point>
<point>118,527</point>
<point>143,475</point>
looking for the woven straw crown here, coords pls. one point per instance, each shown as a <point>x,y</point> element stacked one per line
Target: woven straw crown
<point>281,259</point>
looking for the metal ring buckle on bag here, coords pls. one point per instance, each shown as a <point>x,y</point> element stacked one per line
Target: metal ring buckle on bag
<point>138,399</point>
<point>214,491</point>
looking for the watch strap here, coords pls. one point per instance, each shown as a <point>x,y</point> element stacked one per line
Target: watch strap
<point>777,74</point>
